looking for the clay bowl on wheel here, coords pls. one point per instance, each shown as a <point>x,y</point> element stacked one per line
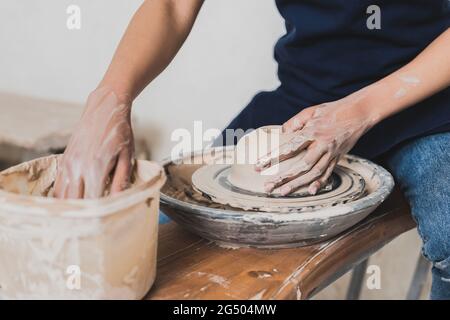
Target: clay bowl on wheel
<point>235,227</point>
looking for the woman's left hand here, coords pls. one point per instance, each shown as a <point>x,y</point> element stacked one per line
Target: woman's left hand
<point>333,129</point>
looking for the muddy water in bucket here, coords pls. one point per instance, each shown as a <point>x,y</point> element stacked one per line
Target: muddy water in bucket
<point>76,249</point>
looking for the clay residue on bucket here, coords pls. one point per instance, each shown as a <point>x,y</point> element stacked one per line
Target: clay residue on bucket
<point>31,178</point>
<point>112,240</point>
<point>179,186</point>
<point>36,178</point>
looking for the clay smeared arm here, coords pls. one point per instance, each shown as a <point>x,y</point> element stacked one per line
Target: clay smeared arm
<point>335,127</point>
<point>100,152</point>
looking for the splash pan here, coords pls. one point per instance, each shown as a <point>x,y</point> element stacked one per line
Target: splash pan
<point>274,222</point>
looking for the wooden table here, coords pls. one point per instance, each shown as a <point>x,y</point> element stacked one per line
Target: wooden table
<point>190,267</point>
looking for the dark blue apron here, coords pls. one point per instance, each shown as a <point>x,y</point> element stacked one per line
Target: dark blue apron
<point>328,52</point>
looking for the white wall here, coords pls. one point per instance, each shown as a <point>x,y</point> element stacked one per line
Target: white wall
<point>225,61</point>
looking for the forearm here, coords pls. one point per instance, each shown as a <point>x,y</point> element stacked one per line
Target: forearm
<point>152,39</point>
<point>426,75</point>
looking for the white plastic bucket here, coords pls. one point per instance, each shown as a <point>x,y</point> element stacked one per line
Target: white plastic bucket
<point>76,249</point>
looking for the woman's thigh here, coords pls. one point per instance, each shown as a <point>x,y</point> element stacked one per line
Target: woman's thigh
<point>422,170</point>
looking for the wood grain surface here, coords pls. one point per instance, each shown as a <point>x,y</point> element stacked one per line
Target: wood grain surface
<point>190,267</point>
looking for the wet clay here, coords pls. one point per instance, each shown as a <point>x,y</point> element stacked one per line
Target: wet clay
<point>179,186</point>
<point>346,186</point>
<point>217,193</point>
<point>239,184</point>
<point>291,225</point>
<point>37,178</point>
<point>260,144</point>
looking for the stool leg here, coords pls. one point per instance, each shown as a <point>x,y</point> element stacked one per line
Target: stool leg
<point>354,289</point>
<point>419,278</point>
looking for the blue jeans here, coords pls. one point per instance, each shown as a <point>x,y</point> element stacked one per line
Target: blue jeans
<point>163,218</point>
<point>421,169</point>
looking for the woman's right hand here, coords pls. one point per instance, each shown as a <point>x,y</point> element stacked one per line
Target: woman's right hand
<point>100,152</point>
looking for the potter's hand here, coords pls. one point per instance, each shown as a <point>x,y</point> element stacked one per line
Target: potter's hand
<point>100,152</point>
<point>324,133</point>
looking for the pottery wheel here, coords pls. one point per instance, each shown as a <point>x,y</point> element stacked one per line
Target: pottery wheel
<point>213,182</point>
<point>215,209</point>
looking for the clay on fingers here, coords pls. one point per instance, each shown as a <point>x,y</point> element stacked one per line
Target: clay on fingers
<point>103,135</point>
